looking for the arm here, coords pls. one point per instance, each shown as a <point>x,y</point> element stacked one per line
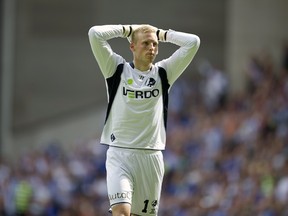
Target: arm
<point>106,58</point>
<point>182,57</point>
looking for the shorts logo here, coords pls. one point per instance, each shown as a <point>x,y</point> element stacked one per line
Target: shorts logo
<point>125,195</point>
<point>154,203</point>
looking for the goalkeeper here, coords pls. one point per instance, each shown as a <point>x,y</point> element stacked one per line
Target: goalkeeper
<point>135,123</point>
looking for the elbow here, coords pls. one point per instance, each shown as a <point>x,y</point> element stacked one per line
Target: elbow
<point>195,44</point>
<point>192,42</point>
<point>91,32</point>
<point>94,32</point>
<point>196,41</point>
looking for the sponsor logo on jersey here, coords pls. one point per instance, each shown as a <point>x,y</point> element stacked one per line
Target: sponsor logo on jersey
<point>140,94</point>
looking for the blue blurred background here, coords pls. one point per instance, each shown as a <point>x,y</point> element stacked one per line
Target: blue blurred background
<point>227,149</point>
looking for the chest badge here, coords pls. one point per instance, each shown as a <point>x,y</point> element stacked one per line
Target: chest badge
<point>150,82</point>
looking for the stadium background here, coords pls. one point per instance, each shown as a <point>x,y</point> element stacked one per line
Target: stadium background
<point>52,92</point>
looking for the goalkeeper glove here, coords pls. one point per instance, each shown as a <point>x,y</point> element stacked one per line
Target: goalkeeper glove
<point>161,35</point>
<point>127,31</point>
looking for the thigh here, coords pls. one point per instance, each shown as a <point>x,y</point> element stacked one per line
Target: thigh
<point>119,182</point>
<point>121,209</point>
<point>147,184</point>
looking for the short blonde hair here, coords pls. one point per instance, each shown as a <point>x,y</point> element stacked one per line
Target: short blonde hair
<point>142,29</point>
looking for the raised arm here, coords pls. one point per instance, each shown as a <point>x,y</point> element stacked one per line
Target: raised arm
<point>182,57</point>
<point>106,58</point>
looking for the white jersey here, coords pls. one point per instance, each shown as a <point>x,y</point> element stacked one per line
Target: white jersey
<point>137,101</point>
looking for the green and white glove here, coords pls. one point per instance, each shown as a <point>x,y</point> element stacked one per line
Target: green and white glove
<point>128,29</point>
<point>161,35</point>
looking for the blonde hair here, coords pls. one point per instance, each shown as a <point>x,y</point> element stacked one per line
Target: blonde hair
<point>142,29</point>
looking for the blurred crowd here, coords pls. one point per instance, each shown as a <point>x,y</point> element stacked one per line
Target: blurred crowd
<point>226,155</point>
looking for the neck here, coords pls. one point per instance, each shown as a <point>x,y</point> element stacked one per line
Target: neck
<point>141,66</point>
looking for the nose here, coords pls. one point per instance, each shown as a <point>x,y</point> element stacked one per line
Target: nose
<point>151,46</point>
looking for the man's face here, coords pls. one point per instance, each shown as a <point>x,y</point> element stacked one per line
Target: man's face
<point>145,47</point>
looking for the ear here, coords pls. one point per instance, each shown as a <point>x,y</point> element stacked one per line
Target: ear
<point>132,46</point>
